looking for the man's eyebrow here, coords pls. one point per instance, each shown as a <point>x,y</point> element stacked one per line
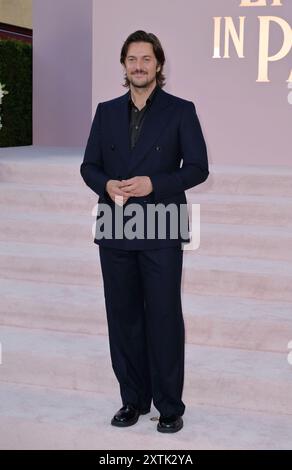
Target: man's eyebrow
<point>147,55</point>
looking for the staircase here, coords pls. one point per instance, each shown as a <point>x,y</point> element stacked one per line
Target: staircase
<point>57,387</point>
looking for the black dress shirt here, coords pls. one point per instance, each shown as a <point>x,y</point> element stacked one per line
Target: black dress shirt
<point>136,117</point>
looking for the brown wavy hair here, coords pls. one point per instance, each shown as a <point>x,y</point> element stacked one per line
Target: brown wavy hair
<point>139,36</point>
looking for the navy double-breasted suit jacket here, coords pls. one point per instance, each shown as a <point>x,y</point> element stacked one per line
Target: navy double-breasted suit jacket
<point>171,134</point>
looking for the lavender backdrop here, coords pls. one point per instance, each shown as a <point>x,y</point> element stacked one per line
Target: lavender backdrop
<point>76,64</point>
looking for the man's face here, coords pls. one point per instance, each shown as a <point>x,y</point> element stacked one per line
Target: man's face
<point>141,64</point>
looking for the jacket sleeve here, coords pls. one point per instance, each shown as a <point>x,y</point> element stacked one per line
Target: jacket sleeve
<point>195,168</point>
<point>91,168</point>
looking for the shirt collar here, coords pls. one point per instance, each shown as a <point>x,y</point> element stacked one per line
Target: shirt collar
<point>149,99</point>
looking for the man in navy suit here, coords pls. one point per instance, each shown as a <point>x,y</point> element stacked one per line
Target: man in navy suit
<point>132,162</point>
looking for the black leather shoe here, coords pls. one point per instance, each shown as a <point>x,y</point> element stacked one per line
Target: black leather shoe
<point>127,415</point>
<point>171,423</point>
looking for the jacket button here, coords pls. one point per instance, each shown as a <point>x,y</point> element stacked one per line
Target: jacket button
<point>158,148</point>
<point>112,147</point>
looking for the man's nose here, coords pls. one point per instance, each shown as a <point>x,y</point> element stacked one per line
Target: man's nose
<point>139,65</point>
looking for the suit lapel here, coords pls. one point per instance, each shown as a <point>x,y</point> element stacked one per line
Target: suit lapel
<point>155,121</point>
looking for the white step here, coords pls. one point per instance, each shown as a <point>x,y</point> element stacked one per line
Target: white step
<point>237,276</point>
<point>215,208</point>
<point>255,380</point>
<point>51,198</point>
<point>221,275</point>
<point>49,165</point>
<point>41,165</point>
<point>250,241</point>
<point>243,209</point>
<point>271,180</point>
<point>216,239</point>
<point>211,320</point>
<point>39,418</point>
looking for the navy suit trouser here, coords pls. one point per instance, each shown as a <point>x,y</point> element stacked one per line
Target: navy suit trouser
<point>142,290</point>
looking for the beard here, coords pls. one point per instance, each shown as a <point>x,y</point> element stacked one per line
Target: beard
<point>143,82</point>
